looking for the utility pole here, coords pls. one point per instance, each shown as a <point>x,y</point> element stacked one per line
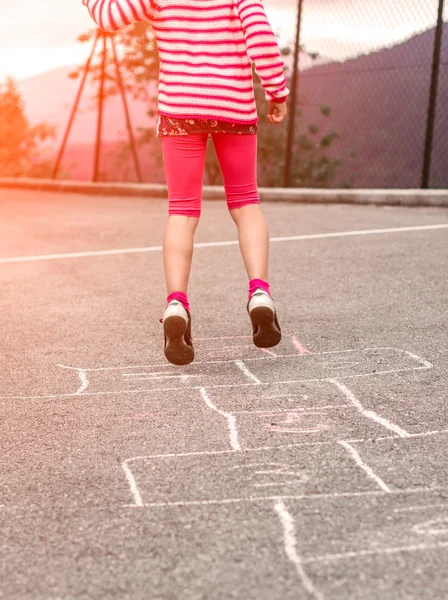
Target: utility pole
<point>433,98</point>
<point>293,100</point>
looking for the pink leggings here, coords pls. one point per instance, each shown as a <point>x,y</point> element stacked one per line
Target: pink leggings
<point>184,160</point>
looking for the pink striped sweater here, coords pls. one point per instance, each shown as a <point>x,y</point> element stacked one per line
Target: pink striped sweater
<point>205,48</point>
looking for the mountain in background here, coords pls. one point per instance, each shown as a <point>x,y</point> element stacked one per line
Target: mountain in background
<point>50,97</point>
<point>379,105</point>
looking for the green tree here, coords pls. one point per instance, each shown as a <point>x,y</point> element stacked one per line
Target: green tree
<point>312,163</point>
<point>312,166</point>
<point>139,67</point>
<point>19,141</point>
<point>138,59</point>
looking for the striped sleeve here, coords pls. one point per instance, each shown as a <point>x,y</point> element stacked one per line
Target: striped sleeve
<point>112,15</point>
<point>262,48</point>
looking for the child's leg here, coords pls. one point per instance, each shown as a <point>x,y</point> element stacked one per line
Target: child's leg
<point>178,252</point>
<point>184,158</point>
<point>237,155</point>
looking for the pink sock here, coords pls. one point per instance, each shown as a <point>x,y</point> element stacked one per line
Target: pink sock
<point>258,283</point>
<point>181,297</point>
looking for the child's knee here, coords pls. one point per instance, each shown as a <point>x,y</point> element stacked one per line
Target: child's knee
<point>234,202</point>
<point>239,196</point>
<point>190,207</point>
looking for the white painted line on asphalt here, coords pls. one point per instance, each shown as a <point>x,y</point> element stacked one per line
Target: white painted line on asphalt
<point>358,460</point>
<point>240,364</point>
<point>369,414</point>
<point>231,420</point>
<point>357,232</point>
<point>290,544</point>
<point>39,257</point>
<point>293,238</point>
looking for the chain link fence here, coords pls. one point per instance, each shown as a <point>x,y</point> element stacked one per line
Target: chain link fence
<point>370,64</point>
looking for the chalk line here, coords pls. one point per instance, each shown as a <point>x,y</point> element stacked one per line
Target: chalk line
<point>369,414</point>
<point>142,373</point>
<point>270,352</point>
<point>428,526</point>
<point>397,437</point>
<point>424,363</point>
<point>240,364</point>
<point>279,447</point>
<point>231,420</point>
<point>292,238</point>
<point>421,507</point>
<point>158,377</point>
<point>290,544</point>
<point>210,387</point>
<point>132,484</point>
<point>358,460</point>
<point>377,551</point>
<point>279,429</point>
<point>272,412</point>
<point>301,349</point>
<point>182,503</point>
<point>217,452</point>
<point>84,382</point>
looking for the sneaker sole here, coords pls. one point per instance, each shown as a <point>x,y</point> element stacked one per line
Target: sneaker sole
<point>268,334</point>
<point>177,351</point>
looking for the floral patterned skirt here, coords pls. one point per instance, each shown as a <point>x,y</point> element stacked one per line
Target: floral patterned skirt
<point>172,126</point>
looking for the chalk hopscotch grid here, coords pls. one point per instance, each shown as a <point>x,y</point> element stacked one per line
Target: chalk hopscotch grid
<point>286,519</point>
<point>280,508</point>
<point>84,380</point>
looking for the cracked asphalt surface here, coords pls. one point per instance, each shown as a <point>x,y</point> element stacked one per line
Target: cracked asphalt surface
<point>318,469</point>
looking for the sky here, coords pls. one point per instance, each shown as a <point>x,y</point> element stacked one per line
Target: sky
<point>36,36</point>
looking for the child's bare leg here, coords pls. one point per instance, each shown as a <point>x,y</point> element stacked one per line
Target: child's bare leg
<point>178,251</point>
<point>253,236</point>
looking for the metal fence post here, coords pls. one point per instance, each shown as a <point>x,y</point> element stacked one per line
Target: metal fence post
<point>433,98</point>
<point>74,109</point>
<point>96,168</point>
<point>293,100</point>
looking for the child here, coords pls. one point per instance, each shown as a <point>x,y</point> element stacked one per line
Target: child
<point>206,89</point>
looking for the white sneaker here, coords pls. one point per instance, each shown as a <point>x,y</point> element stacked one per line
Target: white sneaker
<point>263,315</point>
<point>178,346</point>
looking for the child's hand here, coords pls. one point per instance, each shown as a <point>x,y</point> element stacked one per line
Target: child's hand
<point>276,112</point>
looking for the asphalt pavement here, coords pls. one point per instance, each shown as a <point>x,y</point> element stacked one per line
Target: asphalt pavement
<point>315,470</point>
